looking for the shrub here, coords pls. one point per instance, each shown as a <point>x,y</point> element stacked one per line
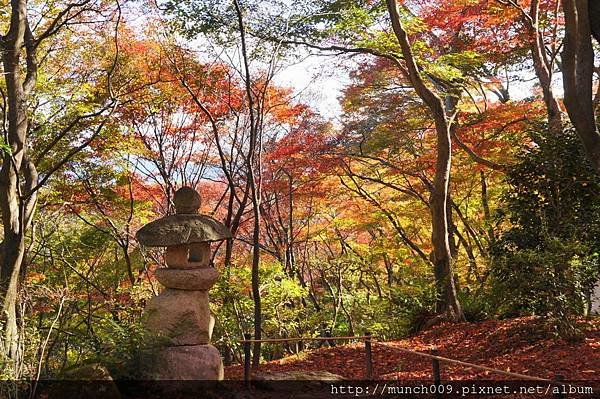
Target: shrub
<point>546,261</point>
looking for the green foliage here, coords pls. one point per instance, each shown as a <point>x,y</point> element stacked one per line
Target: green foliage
<point>454,66</point>
<point>99,319</point>
<point>281,297</point>
<point>476,306</point>
<point>4,147</point>
<point>547,260</point>
<point>121,339</point>
<point>195,17</point>
<point>415,310</point>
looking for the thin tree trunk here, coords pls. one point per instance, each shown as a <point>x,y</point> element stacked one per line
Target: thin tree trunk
<point>542,64</point>
<point>254,188</point>
<point>543,68</point>
<point>448,304</point>
<point>255,274</point>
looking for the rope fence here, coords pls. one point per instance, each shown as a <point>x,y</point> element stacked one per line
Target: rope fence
<point>369,340</point>
<point>436,357</point>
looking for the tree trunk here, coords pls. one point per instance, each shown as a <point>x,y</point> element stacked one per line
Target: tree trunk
<point>18,175</point>
<point>447,299</point>
<point>543,68</point>
<point>255,191</point>
<point>448,304</point>
<point>594,9</point>
<point>255,272</point>
<point>578,69</point>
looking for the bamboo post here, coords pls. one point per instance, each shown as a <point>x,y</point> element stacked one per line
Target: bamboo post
<point>368,356</point>
<point>247,338</point>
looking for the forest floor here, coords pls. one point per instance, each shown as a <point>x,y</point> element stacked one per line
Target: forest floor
<point>520,345</point>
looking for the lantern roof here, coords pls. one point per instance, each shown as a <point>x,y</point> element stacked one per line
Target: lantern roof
<point>185,227</point>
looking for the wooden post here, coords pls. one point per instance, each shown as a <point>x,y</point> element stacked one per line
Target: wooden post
<point>435,363</point>
<point>559,378</point>
<point>331,342</point>
<point>247,357</point>
<point>437,378</point>
<point>368,356</point>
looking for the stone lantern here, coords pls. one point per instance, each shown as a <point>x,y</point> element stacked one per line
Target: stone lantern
<point>180,315</point>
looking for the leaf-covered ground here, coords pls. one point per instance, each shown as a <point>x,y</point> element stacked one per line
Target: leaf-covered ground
<point>518,345</point>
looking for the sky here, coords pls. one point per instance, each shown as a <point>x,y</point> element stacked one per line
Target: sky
<point>318,82</point>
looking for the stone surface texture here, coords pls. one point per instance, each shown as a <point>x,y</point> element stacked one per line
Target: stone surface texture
<point>198,362</point>
<point>596,300</point>
<point>296,376</point>
<point>187,200</point>
<point>182,229</point>
<point>193,256</point>
<point>182,317</point>
<point>188,279</point>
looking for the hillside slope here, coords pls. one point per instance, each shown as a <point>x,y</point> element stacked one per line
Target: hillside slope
<point>518,345</point>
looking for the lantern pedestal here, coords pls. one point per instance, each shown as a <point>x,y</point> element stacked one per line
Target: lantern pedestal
<point>180,318</point>
<point>195,362</point>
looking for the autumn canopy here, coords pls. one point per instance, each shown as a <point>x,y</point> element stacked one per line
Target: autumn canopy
<point>350,166</point>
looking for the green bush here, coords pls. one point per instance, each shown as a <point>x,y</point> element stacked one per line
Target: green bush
<point>546,261</point>
<point>476,307</point>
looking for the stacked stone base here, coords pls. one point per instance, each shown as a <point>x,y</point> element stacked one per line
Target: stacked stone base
<point>180,317</point>
<point>194,362</point>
